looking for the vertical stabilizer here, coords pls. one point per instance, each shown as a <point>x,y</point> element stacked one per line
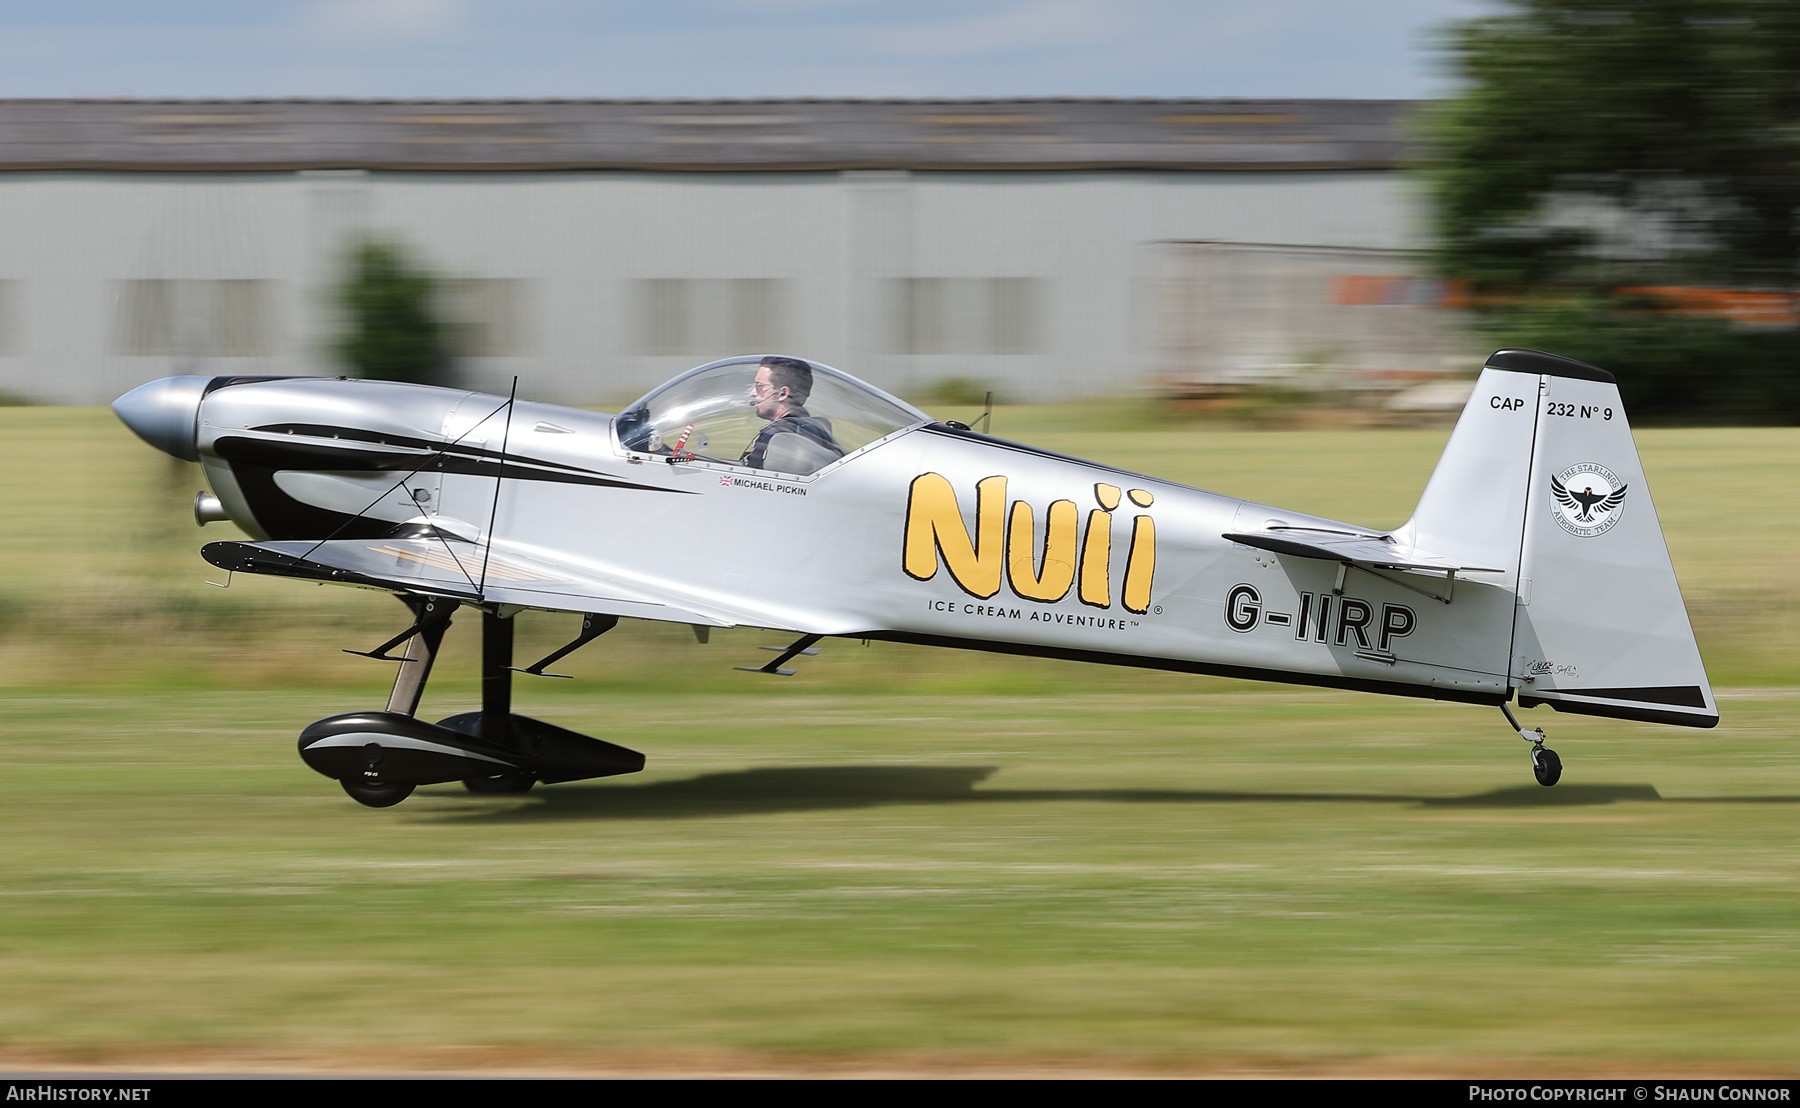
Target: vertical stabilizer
<point>1474,504</point>
<point>1600,626</point>
<point>1541,477</point>
<point>1472,514</point>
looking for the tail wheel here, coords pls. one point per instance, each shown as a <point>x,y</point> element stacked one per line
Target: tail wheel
<point>384,795</point>
<point>1546,766</point>
<point>501,783</point>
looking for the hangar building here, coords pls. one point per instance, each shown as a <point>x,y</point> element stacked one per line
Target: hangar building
<point>1045,248</point>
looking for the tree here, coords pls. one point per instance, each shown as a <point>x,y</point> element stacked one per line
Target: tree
<point>1603,146</point>
<point>391,307</point>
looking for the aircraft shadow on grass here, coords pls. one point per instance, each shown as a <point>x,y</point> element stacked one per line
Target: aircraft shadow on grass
<point>774,790</point>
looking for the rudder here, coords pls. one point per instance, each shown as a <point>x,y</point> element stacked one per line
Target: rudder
<point>1600,627</point>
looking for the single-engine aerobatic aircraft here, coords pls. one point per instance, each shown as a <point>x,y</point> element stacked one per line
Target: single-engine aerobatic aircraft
<point>1533,564</point>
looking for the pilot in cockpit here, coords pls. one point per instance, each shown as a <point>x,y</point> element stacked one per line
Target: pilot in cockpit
<point>795,441</point>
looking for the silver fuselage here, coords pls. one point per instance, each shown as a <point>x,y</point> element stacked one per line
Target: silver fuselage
<point>828,553</point>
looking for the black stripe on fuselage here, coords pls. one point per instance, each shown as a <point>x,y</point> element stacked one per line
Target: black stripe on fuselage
<point>218,383</point>
<point>284,454</point>
<point>282,517</point>
<point>256,461</point>
<point>383,438</point>
<point>1209,669</point>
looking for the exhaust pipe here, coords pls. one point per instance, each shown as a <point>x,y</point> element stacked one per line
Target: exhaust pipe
<point>207,509</point>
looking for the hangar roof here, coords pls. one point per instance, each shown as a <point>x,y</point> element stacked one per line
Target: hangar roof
<point>700,135</point>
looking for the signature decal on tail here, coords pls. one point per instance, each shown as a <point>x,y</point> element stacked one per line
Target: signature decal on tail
<point>1589,499</point>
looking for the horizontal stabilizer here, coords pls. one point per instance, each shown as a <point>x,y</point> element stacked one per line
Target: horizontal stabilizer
<point>455,569</point>
<point>1375,551</point>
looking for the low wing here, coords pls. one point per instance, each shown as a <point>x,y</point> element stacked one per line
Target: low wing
<point>454,569</point>
<point>1375,551</point>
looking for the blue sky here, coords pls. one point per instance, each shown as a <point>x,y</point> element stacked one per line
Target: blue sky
<point>724,48</point>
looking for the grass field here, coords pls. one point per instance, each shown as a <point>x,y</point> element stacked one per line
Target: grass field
<point>902,861</point>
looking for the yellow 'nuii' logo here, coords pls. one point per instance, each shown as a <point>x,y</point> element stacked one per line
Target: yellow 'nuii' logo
<point>1005,544</point>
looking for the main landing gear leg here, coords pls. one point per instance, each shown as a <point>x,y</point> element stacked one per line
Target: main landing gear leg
<point>380,757</point>
<point>1545,765</point>
<point>496,704</point>
<point>432,617</point>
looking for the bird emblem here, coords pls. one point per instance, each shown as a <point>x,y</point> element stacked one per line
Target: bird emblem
<point>1587,499</point>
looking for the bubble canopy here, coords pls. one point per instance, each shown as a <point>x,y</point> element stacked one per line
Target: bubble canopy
<point>800,418</point>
